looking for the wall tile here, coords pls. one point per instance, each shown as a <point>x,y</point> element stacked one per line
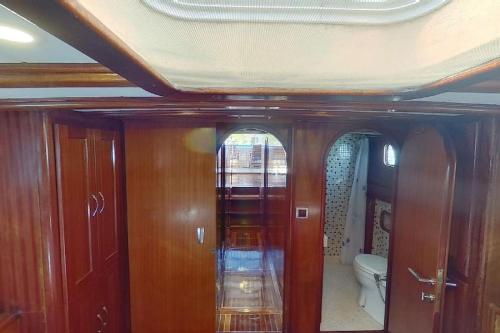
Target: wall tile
<point>341,162</point>
<point>380,245</point>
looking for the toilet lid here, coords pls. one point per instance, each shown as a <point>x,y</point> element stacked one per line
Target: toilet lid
<point>372,263</point>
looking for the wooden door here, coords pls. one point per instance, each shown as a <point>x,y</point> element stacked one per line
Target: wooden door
<point>110,232</point>
<point>170,194</point>
<point>421,232</point>
<point>78,207</point>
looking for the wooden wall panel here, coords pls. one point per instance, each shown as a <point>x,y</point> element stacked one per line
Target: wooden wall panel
<point>310,145</point>
<point>21,258</point>
<point>472,149</point>
<point>9,324</point>
<point>171,191</point>
<point>491,297</point>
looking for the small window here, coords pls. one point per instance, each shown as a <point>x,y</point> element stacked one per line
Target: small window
<point>389,156</point>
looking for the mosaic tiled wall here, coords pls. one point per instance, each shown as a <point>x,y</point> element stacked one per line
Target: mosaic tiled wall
<point>380,245</point>
<point>341,163</point>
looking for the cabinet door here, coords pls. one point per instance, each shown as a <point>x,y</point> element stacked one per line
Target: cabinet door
<point>110,232</point>
<point>77,213</point>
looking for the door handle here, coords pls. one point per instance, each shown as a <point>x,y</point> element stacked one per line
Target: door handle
<point>417,277</point>
<point>103,202</point>
<point>200,235</point>
<point>96,204</point>
<point>432,282</point>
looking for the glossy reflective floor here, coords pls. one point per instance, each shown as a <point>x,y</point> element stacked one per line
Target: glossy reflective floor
<point>250,297</point>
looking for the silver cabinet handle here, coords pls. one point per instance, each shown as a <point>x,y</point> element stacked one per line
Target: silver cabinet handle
<point>96,205</point>
<point>103,202</point>
<point>200,235</point>
<point>103,322</point>
<point>421,279</point>
<point>105,310</point>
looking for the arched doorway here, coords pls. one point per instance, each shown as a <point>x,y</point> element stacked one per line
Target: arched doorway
<point>360,175</point>
<point>252,217</point>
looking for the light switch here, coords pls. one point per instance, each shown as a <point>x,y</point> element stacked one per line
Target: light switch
<point>302,213</point>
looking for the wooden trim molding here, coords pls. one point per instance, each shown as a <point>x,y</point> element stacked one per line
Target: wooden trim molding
<point>246,108</point>
<point>79,28</point>
<point>24,75</point>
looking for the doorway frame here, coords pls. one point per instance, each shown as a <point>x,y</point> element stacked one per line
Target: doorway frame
<point>225,129</point>
<point>390,138</point>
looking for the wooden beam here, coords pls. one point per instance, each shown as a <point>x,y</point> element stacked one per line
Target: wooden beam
<point>230,106</point>
<point>24,75</point>
<point>489,87</point>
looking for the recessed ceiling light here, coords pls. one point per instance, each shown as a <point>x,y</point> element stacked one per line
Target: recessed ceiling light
<point>15,35</point>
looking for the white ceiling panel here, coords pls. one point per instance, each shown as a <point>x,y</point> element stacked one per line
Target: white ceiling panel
<point>262,55</point>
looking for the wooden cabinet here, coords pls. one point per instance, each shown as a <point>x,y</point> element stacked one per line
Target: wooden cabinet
<point>88,180</point>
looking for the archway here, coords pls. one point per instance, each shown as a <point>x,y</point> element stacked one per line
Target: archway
<point>252,217</point>
<point>360,174</point>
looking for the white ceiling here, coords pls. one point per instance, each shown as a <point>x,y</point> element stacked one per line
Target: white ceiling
<point>241,56</point>
<point>45,49</point>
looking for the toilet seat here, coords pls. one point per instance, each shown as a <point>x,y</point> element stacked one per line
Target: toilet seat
<point>371,264</point>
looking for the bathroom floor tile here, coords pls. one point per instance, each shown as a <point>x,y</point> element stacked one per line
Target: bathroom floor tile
<point>340,310</point>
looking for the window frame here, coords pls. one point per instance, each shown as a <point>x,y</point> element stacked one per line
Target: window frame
<point>386,159</point>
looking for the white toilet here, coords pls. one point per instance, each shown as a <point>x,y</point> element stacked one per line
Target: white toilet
<point>365,266</point>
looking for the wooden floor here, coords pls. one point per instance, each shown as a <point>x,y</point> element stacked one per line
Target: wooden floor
<point>250,297</point>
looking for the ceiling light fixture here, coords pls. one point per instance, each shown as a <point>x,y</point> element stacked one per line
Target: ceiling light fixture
<point>15,35</point>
